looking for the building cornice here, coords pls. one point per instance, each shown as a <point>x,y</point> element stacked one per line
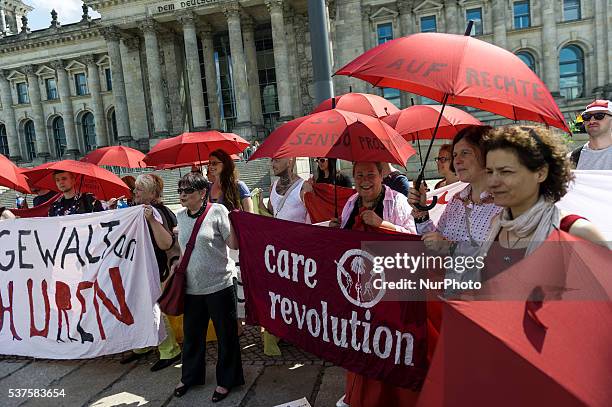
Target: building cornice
<point>56,37</point>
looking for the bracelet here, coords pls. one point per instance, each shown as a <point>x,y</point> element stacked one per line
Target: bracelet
<point>422,219</point>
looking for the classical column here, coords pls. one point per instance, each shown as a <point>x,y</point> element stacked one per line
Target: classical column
<point>600,32</point>
<point>499,23</point>
<point>72,146</point>
<point>450,17</point>
<point>241,87</point>
<point>248,32</point>
<point>42,143</point>
<point>192,60</point>
<point>93,81</point>
<point>112,36</point>
<point>405,18</point>
<point>210,69</point>
<point>549,46</point>
<point>281,59</point>
<point>158,103</point>
<point>9,117</point>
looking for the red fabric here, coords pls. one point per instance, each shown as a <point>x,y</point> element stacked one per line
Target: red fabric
<point>103,184</point>
<point>337,134</point>
<point>273,255</point>
<point>119,156</point>
<point>12,176</point>
<point>419,121</point>
<point>198,163</point>
<point>567,222</point>
<point>320,202</point>
<point>41,210</point>
<point>364,103</point>
<point>508,353</point>
<point>470,71</point>
<point>189,148</point>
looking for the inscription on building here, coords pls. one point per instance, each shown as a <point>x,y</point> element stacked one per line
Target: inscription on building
<point>179,5</point>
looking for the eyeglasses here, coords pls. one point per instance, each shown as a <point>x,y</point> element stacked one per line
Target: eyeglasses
<point>598,116</point>
<point>213,163</point>
<point>442,159</point>
<point>186,190</point>
<point>321,160</point>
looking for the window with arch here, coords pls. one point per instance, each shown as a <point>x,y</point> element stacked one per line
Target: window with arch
<point>30,139</point>
<point>59,136</point>
<point>571,72</point>
<point>89,131</point>
<point>528,59</point>
<point>4,150</point>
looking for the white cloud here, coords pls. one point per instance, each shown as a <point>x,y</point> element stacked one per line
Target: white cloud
<point>69,11</point>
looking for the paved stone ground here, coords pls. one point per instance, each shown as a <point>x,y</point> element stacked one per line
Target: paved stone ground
<point>104,382</point>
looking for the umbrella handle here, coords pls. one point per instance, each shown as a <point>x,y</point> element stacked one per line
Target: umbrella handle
<point>434,200</point>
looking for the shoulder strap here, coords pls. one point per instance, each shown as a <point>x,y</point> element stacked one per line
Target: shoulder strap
<point>575,156</point>
<point>285,197</point>
<point>191,243</point>
<point>568,221</point>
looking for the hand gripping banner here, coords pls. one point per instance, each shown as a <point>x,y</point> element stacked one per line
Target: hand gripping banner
<point>78,286</point>
<point>309,286</point>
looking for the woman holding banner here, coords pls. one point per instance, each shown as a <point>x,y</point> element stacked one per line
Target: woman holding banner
<point>209,290</point>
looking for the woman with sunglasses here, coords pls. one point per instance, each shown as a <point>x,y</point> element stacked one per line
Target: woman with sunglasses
<point>596,154</point>
<point>209,291</point>
<point>226,188</point>
<point>326,172</point>
<point>443,161</point>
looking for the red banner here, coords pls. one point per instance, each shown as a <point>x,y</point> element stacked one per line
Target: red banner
<point>300,284</point>
<point>41,210</point>
<point>320,202</point>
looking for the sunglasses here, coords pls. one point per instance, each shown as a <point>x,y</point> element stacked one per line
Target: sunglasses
<point>598,116</point>
<point>321,160</point>
<point>442,159</point>
<point>186,190</point>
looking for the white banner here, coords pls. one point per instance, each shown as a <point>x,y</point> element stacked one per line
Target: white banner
<point>588,196</point>
<point>78,286</point>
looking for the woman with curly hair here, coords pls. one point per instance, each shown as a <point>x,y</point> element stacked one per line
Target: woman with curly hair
<point>528,172</point>
<point>227,189</point>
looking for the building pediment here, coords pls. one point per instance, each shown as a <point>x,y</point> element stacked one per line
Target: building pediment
<point>15,75</point>
<point>429,5</point>
<point>75,66</point>
<point>384,14</point>
<point>44,70</point>
<point>470,3</point>
<point>104,61</point>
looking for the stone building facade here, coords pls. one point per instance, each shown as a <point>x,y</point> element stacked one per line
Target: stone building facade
<point>148,69</point>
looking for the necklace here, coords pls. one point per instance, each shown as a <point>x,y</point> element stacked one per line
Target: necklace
<point>198,212</point>
<point>508,259</point>
<point>379,198</point>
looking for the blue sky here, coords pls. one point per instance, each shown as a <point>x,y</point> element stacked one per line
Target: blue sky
<point>69,11</point>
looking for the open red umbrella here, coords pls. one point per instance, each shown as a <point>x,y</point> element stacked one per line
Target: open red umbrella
<point>337,134</point>
<point>553,350</point>
<point>198,163</point>
<point>118,156</point>
<point>190,148</point>
<point>90,178</point>
<point>419,122</point>
<point>12,176</point>
<point>363,103</point>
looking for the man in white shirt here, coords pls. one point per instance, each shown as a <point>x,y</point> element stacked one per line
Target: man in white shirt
<point>596,154</point>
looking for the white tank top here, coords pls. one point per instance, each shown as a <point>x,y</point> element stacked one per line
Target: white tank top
<point>293,209</point>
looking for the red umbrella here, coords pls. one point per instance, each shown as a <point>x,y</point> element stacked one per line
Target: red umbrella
<point>337,134</point>
<point>118,156</point>
<point>363,103</point>
<point>190,148</point>
<point>12,176</point>
<point>198,163</point>
<point>90,178</point>
<point>459,70</point>
<point>515,353</point>
<point>418,122</point>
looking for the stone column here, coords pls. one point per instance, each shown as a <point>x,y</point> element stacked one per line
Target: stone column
<point>158,103</point>
<point>192,60</point>
<point>499,23</point>
<point>9,117</point>
<point>210,69</point>
<point>406,28</point>
<point>252,75</point>
<point>2,21</point>
<point>93,81</point>
<point>72,145</point>
<point>241,88</point>
<point>113,37</point>
<point>549,47</point>
<point>600,32</point>
<point>281,59</point>
<point>42,143</point>
<point>450,17</point>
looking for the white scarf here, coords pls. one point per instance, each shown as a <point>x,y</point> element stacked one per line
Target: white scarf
<point>540,220</point>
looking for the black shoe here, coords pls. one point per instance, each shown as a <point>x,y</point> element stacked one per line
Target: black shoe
<point>216,397</point>
<point>181,390</point>
<point>133,356</point>
<point>164,363</point>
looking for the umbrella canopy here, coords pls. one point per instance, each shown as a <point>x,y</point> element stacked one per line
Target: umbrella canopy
<point>419,122</point>
<point>198,163</point>
<point>459,70</point>
<point>364,103</point>
<point>337,134</point>
<point>118,156</point>
<point>12,176</point>
<point>550,352</point>
<point>190,148</point>
<point>89,178</point>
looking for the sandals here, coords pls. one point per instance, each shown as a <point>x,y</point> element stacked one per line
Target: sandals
<point>181,390</point>
<point>216,397</point>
